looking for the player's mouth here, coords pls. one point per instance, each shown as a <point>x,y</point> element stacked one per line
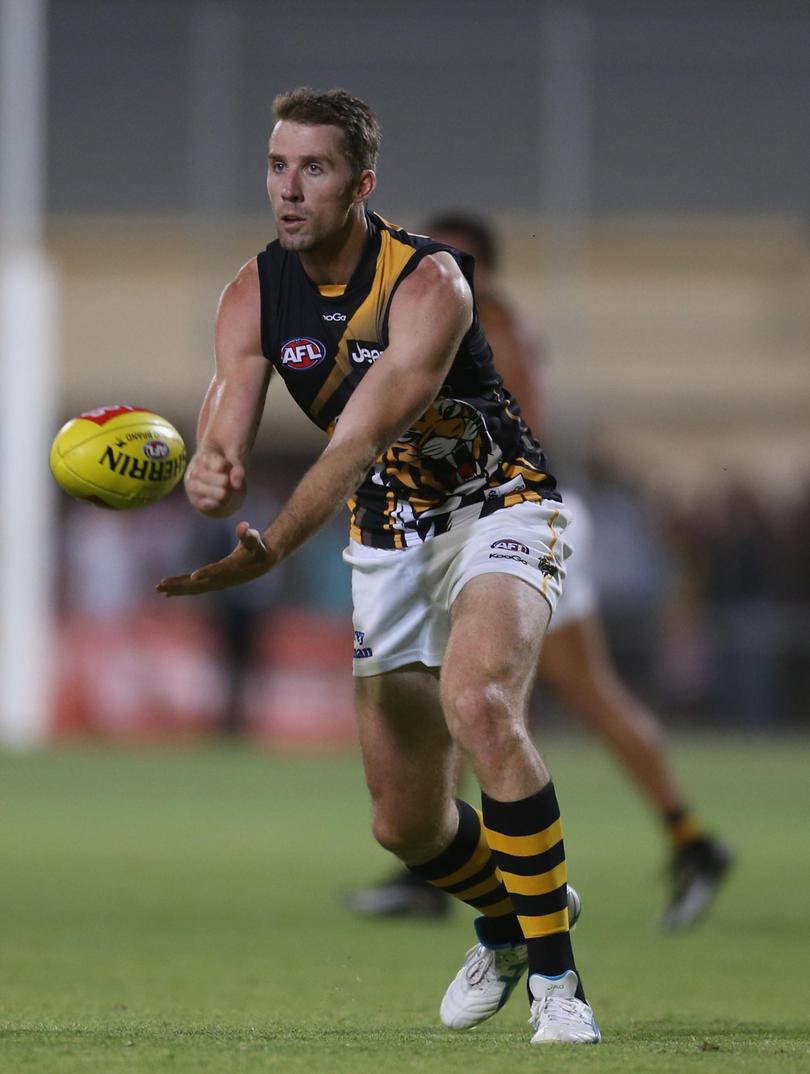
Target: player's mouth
<point>291,219</point>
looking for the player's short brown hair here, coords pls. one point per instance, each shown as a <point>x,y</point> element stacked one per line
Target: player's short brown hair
<point>336,107</point>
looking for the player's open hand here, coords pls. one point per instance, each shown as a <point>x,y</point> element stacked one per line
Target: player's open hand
<point>250,559</point>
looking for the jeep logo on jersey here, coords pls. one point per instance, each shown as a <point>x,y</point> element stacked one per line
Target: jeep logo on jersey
<point>363,353</point>
<point>302,354</point>
<point>510,546</point>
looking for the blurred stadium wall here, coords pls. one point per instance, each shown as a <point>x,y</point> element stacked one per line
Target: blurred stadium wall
<point>646,166</point>
<point>669,248</point>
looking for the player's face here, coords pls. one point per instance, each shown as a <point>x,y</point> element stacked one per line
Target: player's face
<point>310,184</point>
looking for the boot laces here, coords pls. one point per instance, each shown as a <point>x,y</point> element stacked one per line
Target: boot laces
<point>478,961</point>
<point>560,1008</point>
<point>481,962</point>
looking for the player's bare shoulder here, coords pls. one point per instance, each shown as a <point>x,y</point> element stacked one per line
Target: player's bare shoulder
<point>239,312</point>
<point>438,273</point>
<point>241,296</point>
<point>436,286</point>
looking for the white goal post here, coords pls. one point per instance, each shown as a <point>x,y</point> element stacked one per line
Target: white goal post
<point>27,384</point>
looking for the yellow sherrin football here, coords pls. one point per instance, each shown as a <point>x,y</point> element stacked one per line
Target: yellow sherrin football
<point>118,456</point>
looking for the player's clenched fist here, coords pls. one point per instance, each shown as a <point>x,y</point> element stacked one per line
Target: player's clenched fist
<point>215,485</point>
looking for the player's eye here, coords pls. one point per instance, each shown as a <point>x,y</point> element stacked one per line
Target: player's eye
<point>277,165</point>
<point>314,169</point>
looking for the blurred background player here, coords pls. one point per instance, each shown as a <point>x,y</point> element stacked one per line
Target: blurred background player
<point>238,615</point>
<point>575,660</point>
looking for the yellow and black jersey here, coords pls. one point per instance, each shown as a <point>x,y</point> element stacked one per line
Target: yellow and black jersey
<point>469,454</point>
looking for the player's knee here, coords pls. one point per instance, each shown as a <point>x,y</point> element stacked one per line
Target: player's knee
<point>481,714</point>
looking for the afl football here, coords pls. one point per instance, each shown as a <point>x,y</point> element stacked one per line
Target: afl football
<point>118,456</point>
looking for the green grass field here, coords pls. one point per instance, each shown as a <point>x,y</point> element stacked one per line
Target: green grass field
<point>175,910</point>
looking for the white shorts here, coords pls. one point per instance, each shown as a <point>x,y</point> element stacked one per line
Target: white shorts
<point>402,599</point>
<point>578,599</point>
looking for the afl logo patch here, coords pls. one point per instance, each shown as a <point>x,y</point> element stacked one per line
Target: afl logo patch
<point>156,449</point>
<point>302,354</point>
<point>511,546</point>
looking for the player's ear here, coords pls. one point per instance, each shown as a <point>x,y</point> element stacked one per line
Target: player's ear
<point>365,185</point>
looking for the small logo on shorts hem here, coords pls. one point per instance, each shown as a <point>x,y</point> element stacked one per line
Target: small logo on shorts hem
<point>548,566</point>
<point>361,651</point>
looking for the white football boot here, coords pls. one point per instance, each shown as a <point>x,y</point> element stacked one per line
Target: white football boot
<point>488,977</point>
<point>557,1016</point>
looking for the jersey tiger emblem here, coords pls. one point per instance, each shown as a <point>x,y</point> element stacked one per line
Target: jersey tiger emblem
<point>302,354</point>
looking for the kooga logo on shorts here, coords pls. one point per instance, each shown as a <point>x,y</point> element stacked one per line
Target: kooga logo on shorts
<point>302,354</point>
<point>510,546</point>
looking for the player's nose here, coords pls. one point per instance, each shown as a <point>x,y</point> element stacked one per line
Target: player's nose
<point>291,189</point>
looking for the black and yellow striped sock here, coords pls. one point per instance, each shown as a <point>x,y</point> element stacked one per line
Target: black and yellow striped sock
<point>526,842</point>
<point>467,870</point>
<point>683,826</point>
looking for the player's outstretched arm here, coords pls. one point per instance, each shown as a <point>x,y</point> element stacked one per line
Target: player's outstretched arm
<point>430,314</point>
<point>216,478</point>
<point>250,559</point>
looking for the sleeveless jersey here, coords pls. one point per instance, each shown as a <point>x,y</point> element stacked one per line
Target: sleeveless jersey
<point>469,454</point>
